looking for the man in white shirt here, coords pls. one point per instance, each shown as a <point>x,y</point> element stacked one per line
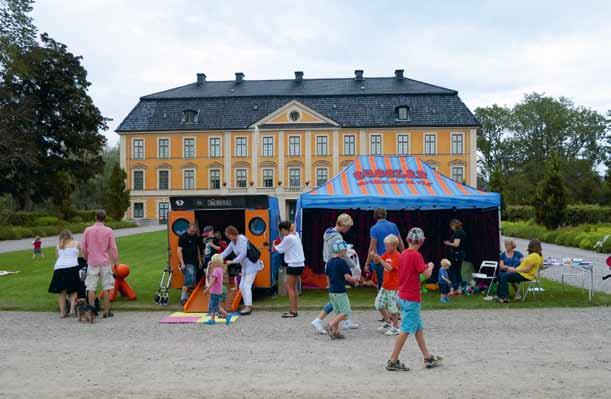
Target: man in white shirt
<point>292,249</point>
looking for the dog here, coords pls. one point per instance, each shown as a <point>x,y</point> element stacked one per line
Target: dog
<point>85,311</point>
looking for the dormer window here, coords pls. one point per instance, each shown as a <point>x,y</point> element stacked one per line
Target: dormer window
<point>403,113</point>
<point>189,116</point>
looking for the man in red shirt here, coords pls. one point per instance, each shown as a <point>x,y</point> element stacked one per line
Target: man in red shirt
<point>411,265</point>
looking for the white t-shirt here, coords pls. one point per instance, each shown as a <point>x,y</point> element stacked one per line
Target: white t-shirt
<point>292,249</point>
<point>67,257</point>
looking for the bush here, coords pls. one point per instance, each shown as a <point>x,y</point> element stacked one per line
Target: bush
<point>24,218</point>
<point>86,216</point>
<point>47,221</point>
<point>589,237</point>
<point>575,214</point>
<point>18,232</point>
<point>518,212</point>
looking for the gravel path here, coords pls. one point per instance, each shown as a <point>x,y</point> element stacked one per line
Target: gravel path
<point>543,353</point>
<point>559,252</point>
<point>26,243</point>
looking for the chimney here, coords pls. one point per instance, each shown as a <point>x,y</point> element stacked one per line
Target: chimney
<point>239,77</point>
<point>358,74</point>
<point>298,76</point>
<point>399,74</point>
<point>201,78</point>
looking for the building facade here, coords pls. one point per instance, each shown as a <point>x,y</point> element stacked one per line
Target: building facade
<point>282,137</point>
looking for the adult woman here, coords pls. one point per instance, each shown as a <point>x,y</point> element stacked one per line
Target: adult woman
<point>238,245</point>
<point>457,245</point>
<point>66,279</point>
<point>510,258</point>
<point>292,250</point>
<point>527,271</point>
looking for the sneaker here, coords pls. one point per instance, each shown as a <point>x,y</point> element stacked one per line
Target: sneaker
<point>318,326</point>
<point>384,327</point>
<point>517,297</point>
<point>432,361</point>
<point>444,300</point>
<point>210,322</point>
<point>395,366</point>
<point>348,325</point>
<point>392,331</point>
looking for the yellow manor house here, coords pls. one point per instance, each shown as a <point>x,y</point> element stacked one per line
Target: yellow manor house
<point>285,136</point>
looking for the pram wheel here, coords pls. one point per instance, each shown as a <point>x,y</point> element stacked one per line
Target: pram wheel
<point>157,299</point>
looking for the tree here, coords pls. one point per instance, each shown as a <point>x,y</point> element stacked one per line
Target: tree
<point>90,194</point>
<point>48,121</point>
<point>117,197</point>
<point>550,201</point>
<point>17,31</point>
<point>492,141</point>
<point>63,185</point>
<point>497,185</point>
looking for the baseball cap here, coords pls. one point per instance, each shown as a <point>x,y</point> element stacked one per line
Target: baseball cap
<point>208,229</point>
<point>415,235</point>
<point>339,246</point>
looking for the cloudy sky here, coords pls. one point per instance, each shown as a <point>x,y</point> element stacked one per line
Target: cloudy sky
<point>490,51</point>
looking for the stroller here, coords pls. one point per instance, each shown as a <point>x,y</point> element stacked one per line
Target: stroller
<point>162,295</point>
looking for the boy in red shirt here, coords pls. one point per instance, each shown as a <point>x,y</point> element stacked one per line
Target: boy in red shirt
<point>411,265</point>
<point>387,300</point>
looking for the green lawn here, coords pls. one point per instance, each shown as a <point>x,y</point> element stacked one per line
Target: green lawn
<point>147,256</point>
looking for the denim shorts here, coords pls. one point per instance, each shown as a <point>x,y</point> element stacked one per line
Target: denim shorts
<point>213,303</point>
<point>341,303</point>
<point>410,317</point>
<point>189,274</point>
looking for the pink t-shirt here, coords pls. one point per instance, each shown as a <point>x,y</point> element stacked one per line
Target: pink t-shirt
<point>99,246</point>
<point>217,286</point>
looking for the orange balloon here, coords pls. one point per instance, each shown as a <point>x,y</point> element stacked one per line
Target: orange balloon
<point>121,271</point>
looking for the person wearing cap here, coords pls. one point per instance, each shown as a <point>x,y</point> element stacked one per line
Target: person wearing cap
<point>210,245</point>
<point>339,275</point>
<point>411,265</point>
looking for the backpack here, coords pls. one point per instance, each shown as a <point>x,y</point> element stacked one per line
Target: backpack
<point>252,253</point>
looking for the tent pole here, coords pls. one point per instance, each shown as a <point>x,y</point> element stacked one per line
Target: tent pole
<point>500,230</point>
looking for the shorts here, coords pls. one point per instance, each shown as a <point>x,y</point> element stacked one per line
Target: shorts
<point>387,299</point>
<point>411,322</point>
<point>190,276</point>
<point>95,273</point>
<point>37,251</point>
<point>340,303</point>
<point>444,288</point>
<point>213,303</point>
<point>294,271</point>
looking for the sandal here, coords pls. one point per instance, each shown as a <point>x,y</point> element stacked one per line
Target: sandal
<point>432,361</point>
<point>396,366</point>
<point>107,315</point>
<point>245,313</point>
<point>289,315</point>
<point>502,300</point>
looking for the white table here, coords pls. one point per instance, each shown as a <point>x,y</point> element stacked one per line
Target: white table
<point>574,268</point>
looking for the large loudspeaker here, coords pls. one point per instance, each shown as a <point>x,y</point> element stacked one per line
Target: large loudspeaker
<point>178,222</point>
<point>258,233</point>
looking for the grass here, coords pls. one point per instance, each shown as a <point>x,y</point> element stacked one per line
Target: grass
<point>146,254</point>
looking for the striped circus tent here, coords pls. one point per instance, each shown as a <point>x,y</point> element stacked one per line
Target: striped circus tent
<point>394,183</point>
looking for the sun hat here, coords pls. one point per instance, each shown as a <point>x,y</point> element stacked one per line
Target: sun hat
<point>339,246</point>
<point>415,235</point>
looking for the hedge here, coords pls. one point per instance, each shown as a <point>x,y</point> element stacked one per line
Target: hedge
<point>35,219</point>
<point>17,232</point>
<point>595,237</point>
<point>575,214</point>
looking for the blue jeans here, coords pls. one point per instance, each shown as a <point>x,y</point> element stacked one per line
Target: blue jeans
<point>379,271</point>
<point>328,308</point>
<point>189,274</point>
<point>455,273</point>
<point>504,279</point>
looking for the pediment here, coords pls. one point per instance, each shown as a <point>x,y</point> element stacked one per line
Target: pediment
<point>295,113</point>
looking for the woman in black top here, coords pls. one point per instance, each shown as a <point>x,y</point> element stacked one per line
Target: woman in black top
<point>457,252</point>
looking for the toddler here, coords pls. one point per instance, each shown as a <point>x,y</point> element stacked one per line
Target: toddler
<point>444,280</point>
<point>215,289</point>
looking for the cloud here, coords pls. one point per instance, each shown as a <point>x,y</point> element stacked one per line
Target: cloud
<point>490,52</point>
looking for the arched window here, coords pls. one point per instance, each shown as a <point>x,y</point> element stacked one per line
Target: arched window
<point>402,113</point>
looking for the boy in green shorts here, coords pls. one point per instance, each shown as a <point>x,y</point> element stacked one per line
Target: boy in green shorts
<point>339,275</point>
<point>411,265</point>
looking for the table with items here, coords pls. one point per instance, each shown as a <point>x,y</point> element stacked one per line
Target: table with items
<point>573,267</point>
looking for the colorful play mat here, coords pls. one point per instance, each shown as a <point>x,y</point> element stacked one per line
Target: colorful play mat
<point>193,318</point>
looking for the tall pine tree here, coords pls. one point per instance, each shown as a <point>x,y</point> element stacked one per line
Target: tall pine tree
<point>117,197</point>
<point>551,198</point>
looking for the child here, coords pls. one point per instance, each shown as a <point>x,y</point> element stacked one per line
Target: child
<point>411,265</point>
<point>215,288</point>
<point>339,275</point>
<point>37,248</point>
<point>444,280</point>
<point>386,300</point>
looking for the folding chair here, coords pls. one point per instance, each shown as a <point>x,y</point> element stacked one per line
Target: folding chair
<point>533,286</point>
<point>487,271</point>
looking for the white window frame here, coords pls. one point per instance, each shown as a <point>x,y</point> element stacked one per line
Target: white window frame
<point>353,145</point>
<point>300,176</point>
<point>159,179</point>
<point>235,146</point>
<point>220,139</point>
<point>326,145</point>
<point>134,148</point>
<point>184,155</point>
<point>409,143</point>
<point>381,136</point>
<point>159,148</point>
<point>424,143</point>
<point>263,154</point>
<point>220,171</point>
<point>458,167</point>
<point>290,148</point>
<point>134,209</point>
<point>399,108</point>
<point>462,135</point>
<point>316,174</point>
<point>263,177</point>
<point>245,177</point>
<point>194,178</point>
<point>159,210</point>
<point>134,179</point>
